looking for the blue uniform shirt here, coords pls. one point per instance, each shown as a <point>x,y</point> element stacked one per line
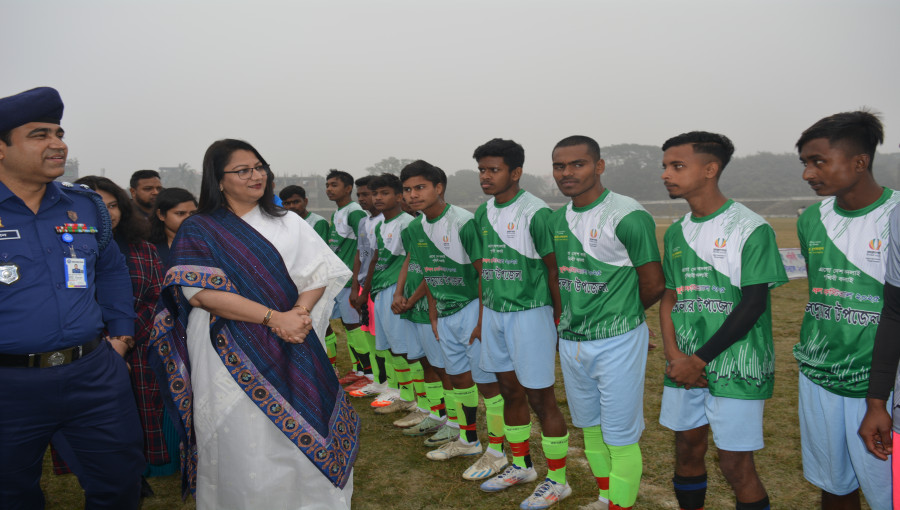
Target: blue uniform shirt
<point>38,313</point>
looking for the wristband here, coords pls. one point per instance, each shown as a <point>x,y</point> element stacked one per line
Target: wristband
<point>265,321</point>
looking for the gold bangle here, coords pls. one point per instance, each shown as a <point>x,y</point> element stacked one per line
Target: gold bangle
<point>265,321</point>
<point>303,307</point>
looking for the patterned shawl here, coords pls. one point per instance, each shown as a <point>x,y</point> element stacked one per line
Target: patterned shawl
<point>292,384</point>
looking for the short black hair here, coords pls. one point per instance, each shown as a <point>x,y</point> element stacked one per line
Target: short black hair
<point>292,190</point>
<point>571,141</point>
<point>860,132</point>
<point>386,180</point>
<point>143,174</point>
<point>6,136</point>
<point>704,142</point>
<point>512,153</point>
<point>424,169</point>
<point>344,177</point>
<point>363,182</point>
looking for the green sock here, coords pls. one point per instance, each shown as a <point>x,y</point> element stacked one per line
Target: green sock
<point>404,380</point>
<point>494,417</point>
<point>434,396</point>
<point>518,437</point>
<point>467,409</point>
<point>597,454</point>
<point>417,374</point>
<point>356,344</point>
<point>331,348</point>
<point>555,450</point>
<point>625,475</point>
<point>451,406</point>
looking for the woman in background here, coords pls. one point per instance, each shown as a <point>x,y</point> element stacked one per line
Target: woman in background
<point>173,206</point>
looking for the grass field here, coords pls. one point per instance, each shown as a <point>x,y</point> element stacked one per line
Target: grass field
<point>392,471</point>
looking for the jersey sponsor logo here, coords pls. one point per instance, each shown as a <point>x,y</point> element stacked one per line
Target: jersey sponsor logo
<point>594,238</point>
<point>446,240</point>
<point>510,230</point>
<point>719,251</point>
<point>874,252</point>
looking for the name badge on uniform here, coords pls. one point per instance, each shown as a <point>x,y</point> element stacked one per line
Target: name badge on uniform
<point>75,268</point>
<point>75,275</point>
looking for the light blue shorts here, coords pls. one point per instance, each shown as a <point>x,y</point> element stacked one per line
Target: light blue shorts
<point>737,425</point>
<point>604,382</point>
<point>391,331</point>
<point>343,310</point>
<point>425,344</point>
<point>460,356</point>
<point>835,458</point>
<point>524,342</point>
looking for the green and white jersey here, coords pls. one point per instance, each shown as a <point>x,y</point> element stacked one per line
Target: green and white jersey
<point>446,247</point>
<point>319,224</point>
<point>366,245</point>
<point>414,276</point>
<point>514,237</point>
<point>845,255</point>
<point>597,250</point>
<point>344,232</point>
<point>391,253</point>
<point>706,262</point>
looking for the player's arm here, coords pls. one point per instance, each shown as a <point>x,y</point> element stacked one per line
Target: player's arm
<point>476,333</point>
<point>875,428</point>
<point>651,283</point>
<point>354,280</point>
<point>432,311</point>
<point>542,235</point>
<point>553,282</point>
<point>738,323</point>
<point>367,287</point>
<point>637,232</point>
<point>322,228</point>
<point>398,303</point>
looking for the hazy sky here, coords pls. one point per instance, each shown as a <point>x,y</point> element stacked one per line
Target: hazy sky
<point>343,84</point>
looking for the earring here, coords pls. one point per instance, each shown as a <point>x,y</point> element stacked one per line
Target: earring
<point>221,188</point>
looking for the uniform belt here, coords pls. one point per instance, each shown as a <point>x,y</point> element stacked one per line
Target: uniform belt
<point>51,358</point>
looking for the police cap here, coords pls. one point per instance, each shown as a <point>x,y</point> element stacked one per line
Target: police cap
<point>41,104</point>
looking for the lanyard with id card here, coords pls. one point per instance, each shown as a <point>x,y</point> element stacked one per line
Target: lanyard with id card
<point>75,268</point>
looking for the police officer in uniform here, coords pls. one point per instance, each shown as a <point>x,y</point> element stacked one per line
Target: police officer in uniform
<point>67,318</point>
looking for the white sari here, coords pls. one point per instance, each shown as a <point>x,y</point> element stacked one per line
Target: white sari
<point>244,461</point>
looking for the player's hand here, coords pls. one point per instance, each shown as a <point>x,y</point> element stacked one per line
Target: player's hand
<point>398,305</point>
<point>434,329</point>
<point>875,429</point>
<point>476,333</point>
<point>687,371</point>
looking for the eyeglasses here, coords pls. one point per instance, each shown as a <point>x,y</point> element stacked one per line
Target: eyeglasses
<point>246,173</point>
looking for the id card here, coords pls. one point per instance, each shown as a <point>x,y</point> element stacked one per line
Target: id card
<point>75,275</point>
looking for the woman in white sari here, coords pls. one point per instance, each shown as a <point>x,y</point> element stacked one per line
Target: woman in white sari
<point>266,424</point>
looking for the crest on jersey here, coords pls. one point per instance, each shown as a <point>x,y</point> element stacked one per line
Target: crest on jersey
<point>873,254</point>
<point>510,230</point>
<point>719,251</point>
<point>595,238</point>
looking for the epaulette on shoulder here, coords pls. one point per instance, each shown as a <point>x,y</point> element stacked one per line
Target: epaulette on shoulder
<point>104,236</point>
